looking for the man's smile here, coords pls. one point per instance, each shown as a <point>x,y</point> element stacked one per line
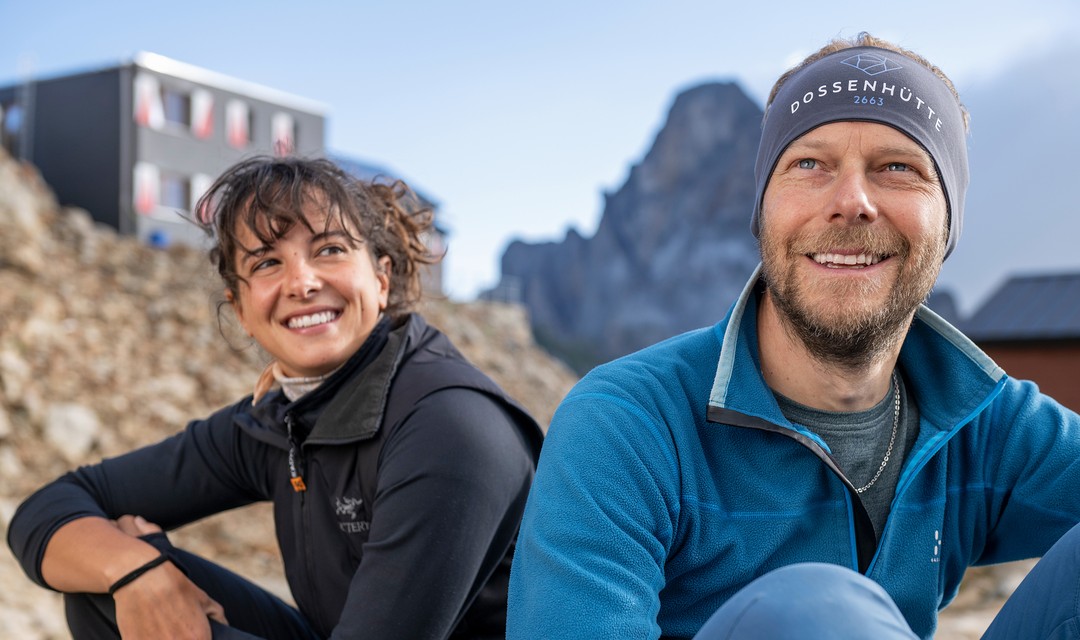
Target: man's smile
<point>847,260</point>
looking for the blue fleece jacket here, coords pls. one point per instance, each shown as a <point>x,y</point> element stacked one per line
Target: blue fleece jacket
<point>670,479</point>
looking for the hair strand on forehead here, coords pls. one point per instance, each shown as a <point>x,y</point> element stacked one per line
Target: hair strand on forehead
<point>268,196</point>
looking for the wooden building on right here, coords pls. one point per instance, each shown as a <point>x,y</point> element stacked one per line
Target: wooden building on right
<point>1031,327</point>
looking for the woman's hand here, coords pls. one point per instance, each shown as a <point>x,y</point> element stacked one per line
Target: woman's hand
<point>163,602</point>
<point>136,526</point>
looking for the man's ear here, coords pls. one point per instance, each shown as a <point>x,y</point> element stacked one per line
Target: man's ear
<point>383,267</point>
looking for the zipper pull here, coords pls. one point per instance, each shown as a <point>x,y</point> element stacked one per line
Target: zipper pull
<point>295,477</point>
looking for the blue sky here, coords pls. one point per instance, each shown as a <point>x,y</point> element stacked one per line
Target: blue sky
<point>516,117</point>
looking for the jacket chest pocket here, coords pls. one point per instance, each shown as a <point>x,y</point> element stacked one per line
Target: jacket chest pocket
<point>346,503</point>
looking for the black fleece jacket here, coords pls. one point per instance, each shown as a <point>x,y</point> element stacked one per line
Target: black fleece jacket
<point>425,553</point>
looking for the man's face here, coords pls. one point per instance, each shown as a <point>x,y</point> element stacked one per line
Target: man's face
<point>853,237</point>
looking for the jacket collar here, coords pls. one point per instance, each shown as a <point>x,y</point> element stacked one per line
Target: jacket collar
<point>950,376</point>
<point>351,414</point>
<point>350,404</point>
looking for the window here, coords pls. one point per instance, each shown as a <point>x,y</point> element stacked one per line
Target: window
<point>175,191</point>
<point>177,107</point>
<point>238,124</point>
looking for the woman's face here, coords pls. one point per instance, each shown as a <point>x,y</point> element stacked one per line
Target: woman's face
<point>310,299</point>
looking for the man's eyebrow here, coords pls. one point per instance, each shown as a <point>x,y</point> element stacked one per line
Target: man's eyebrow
<point>807,143</point>
<point>911,152</point>
<point>914,151</point>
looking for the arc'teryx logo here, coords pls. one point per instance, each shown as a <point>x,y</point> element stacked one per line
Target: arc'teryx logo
<point>871,64</point>
<point>345,506</point>
<point>347,510</point>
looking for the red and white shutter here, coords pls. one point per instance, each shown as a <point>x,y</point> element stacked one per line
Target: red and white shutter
<point>147,188</point>
<point>149,111</point>
<point>202,113</point>
<point>237,124</point>
<point>283,134</point>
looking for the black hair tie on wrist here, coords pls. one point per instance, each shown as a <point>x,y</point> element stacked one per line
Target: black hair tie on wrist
<point>136,572</point>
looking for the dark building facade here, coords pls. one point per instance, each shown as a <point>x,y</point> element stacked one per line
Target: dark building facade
<point>136,144</point>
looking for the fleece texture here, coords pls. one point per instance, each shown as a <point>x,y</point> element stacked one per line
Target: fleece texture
<point>670,479</point>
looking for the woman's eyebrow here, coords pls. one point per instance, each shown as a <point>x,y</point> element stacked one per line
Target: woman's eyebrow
<point>331,233</point>
<point>251,254</point>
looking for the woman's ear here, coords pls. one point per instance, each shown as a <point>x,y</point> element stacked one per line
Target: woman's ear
<point>383,267</point>
<point>237,308</point>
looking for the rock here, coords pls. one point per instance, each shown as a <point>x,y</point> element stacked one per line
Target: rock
<point>72,429</point>
<point>5,423</point>
<point>672,250</point>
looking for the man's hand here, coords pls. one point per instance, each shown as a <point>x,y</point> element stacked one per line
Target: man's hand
<point>163,602</point>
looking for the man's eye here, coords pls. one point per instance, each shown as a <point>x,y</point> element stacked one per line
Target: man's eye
<point>807,163</point>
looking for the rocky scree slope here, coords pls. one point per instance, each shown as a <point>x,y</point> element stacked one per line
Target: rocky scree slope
<point>106,345</point>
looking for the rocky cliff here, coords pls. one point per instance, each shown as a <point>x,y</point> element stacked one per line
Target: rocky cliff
<point>673,247</point>
<point>106,345</point>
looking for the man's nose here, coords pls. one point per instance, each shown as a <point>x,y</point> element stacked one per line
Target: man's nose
<point>852,198</point>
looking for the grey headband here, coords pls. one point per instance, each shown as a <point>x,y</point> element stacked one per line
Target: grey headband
<point>871,85</point>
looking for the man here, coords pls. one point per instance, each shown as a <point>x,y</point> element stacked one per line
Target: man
<point>829,458</point>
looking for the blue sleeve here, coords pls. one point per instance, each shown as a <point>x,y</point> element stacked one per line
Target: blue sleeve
<point>452,483</point>
<point>1033,468</point>
<point>207,468</point>
<point>598,525</point>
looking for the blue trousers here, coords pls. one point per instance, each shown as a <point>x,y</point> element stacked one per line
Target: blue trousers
<point>828,602</point>
<point>253,612</point>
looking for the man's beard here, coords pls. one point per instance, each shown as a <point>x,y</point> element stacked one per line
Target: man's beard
<point>847,323</point>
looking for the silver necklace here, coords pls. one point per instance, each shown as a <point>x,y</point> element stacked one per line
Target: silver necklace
<point>892,439</point>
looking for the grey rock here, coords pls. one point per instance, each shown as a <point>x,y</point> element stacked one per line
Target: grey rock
<point>672,249</point>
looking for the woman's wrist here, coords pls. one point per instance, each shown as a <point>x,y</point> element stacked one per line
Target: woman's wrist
<point>137,572</point>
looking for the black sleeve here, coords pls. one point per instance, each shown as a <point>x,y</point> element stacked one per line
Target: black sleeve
<point>452,484</point>
<point>207,468</point>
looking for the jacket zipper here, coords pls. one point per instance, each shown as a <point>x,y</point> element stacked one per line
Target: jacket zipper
<point>296,479</point>
<point>296,460</point>
<point>927,453</point>
<point>862,529</point>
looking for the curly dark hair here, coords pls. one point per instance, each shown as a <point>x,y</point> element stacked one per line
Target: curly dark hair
<point>267,196</point>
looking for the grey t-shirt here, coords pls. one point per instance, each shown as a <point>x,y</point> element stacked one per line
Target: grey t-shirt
<point>858,441</point>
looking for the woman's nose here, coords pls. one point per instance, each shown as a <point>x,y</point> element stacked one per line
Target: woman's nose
<point>303,279</point>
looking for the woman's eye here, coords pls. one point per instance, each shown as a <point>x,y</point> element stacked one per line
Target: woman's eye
<point>331,250</point>
<point>897,166</point>
<point>263,264</point>
<point>807,163</point>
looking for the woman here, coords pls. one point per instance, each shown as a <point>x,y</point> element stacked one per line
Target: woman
<point>398,471</point>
